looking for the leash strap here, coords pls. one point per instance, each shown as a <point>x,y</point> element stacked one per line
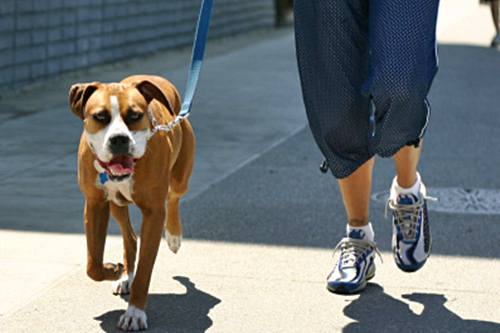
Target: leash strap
<point>197,56</point>
<point>200,41</point>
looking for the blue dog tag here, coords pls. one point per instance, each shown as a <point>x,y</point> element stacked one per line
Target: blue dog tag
<point>103,178</point>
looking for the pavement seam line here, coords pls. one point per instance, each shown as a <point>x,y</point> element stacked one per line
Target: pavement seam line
<point>245,162</point>
<point>37,165</point>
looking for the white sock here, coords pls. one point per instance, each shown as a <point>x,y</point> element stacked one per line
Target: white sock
<point>364,233</point>
<point>396,189</point>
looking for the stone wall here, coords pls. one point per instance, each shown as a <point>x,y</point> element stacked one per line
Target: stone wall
<point>42,38</point>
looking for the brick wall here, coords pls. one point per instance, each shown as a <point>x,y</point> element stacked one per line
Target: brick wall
<point>42,38</point>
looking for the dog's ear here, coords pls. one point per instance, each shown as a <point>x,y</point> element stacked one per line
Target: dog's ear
<point>79,94</point>
<point>150,91</point>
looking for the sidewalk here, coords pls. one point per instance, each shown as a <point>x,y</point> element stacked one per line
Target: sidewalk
<point>260,220</point>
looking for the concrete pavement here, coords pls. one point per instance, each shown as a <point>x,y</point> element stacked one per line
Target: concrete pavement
<point>38,171</point>
<point>260,220</point>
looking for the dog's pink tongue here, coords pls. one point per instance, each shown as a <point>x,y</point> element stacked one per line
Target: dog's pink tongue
<point>121,165</point>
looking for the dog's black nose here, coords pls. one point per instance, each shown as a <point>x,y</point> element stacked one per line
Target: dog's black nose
<point>119,144</point>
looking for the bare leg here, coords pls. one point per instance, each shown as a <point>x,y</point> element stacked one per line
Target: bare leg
<point>355,191</point>
<point>409,212</point>
<point>356,188</point>
<point>406,161</point>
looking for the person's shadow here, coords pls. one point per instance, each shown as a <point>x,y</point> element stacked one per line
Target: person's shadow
<point>375,311</point>
<point>172,312</point>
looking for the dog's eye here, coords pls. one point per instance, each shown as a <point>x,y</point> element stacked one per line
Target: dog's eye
<point>133,116</point>
<point>102,117</point>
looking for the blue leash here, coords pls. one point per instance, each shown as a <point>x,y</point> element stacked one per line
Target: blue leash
<point>199,44</point>
<point>200,40</point>
<point>197,57</point>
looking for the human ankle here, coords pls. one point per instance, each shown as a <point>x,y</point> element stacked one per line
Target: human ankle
<point>360,232</point>
<point>397,189</point>
<point>358,223</point>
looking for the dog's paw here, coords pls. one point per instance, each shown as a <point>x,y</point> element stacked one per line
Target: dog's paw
<point>134,319</point>
<point>122,285</point>
<point>174,242</point>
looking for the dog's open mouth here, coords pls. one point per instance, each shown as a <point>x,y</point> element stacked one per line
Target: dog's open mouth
<point>120,166</point>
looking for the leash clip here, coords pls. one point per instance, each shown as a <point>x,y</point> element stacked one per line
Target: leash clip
<point>197,55</point>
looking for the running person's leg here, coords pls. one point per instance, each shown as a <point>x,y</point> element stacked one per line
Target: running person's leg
<point>406,161</point>
<point>411,239</point>
<point>332,51</point>
<point>356,190</point>
<point>403,65</point>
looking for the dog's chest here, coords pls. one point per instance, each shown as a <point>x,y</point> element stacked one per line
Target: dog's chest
<point>120,192</point>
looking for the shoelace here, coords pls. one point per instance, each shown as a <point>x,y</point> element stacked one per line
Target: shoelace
<point>351,249</point>
<point>406,215</point>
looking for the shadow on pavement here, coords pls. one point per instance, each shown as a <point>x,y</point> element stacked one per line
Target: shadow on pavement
<point>281,198</point>
<point>172,312</point>
<point>375,311</point>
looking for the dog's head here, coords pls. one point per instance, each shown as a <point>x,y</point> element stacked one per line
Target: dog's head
<point>115,121</point>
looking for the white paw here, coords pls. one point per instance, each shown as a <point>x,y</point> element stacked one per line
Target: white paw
<point>174,242</point>
<point>133,319</point>
<point>122,286</point>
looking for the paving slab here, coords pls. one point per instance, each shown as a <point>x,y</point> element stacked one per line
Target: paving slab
<point>232,287</point>
<point>260,220</point>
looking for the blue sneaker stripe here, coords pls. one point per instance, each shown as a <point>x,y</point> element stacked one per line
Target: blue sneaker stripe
<point>405,251</point>
<point>410,253</point>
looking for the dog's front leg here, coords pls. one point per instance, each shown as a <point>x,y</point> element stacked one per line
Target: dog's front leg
<point>151,232</point>
<point>121,215</point>
<point>96,217</point>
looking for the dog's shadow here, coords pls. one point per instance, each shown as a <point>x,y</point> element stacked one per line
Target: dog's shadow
<point>172,312</point>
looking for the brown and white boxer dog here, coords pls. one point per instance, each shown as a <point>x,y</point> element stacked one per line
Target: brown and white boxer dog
<point>120,163</point>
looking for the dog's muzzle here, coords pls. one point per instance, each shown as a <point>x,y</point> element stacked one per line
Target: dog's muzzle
<point>119,145</point>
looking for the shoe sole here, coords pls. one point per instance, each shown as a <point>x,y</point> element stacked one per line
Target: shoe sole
<point>343,290</point>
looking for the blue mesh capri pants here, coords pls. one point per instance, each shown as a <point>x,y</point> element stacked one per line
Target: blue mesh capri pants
<point>366,67</point>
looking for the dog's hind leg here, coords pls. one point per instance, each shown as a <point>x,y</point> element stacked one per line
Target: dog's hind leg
<point>173,227</point>
<point>179,183</point>
<point>121,215</point>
